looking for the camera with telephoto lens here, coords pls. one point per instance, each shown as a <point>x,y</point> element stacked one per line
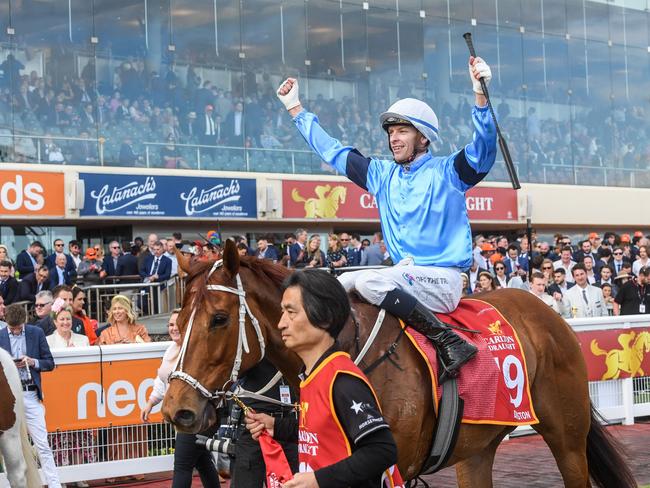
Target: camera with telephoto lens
<point>224,440</point>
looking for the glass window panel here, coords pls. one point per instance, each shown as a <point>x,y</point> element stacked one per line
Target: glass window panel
<point>597,20</point>
<point>578,70</point>
<point>557,69</point>
<point>354,40</point>
<point>436,8</point>
<point>575,15</point>
<point>531,15</point>
<point>636,27</point>
<point>510,68</point>
<point>460,10</point>
<point>534,67</point>
<point>617,24</point>
<point>554,17</point>
<point>324,34</point>
<point>485,12</point>
<point>411,49</point>
<point>509,13</point>
<point>619,74</point>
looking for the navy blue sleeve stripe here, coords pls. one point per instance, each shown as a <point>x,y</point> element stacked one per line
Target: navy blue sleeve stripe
<point>356,168</point>
<point>467,174</point>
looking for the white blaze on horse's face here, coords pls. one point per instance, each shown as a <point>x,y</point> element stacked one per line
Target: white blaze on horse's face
<point>298,334</point>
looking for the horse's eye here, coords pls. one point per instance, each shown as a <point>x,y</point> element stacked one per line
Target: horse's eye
<point>219,320</point>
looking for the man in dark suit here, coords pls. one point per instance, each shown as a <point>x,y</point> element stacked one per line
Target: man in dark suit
<point>28,347</point>
<point>298,248</point>
<point>70,266</point>
<point>561,284</point>
<point>515,264</point>
<point>156,267</point>
<point>353,251</point>
<point>8,284</point>
<point>110,262</point>
<point>127,264</point>
<point>59,274</point>
<point>28,259</point>
<point>33,283</point>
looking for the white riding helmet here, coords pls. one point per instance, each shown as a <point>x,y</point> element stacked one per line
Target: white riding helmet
<point>413,112</point>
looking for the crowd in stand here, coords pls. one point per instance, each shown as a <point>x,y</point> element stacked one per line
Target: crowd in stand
<point>140,104</point>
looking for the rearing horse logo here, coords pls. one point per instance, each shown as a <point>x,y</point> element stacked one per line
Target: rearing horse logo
<point>628,359</point>
<point>325,204</point>
<point>495,328</point>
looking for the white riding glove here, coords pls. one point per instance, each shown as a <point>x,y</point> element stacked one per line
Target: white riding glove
<point>290,100</point>
<point>484,71</point>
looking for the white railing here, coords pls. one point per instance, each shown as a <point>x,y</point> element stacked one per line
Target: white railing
<point>619,401</point>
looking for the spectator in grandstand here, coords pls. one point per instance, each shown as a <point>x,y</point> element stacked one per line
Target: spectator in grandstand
<point>4,256</point>
<point>205,129</point>
<point>27,260</point>
<point>547,270</point>
<point>127,156</point>
<point>3,308</point>
<point>74,247</point>
<point>59,248</point>
<point>313,257</point>
<point>485,282</point>
<point>537,288</point>
<point>266,251</point>
<point>467,290</point>
<point>145,251</point>
<point>109,266</point>
<point>170,155</point>
<point>606,278</point>
<point>388,261</point>
<point>8,284</point>
<point>583,299</point>
<point>355,250</point>
<point>336,257</point>
<point>592,276</point>
<point>235,125</point>
<point>608,297</point>
<point>156,267</point>
<point>242,249</point>
<point>479,240</point>
<point>187,455</point>
<point>633,297</point>
<point>127,263</point>
<point>79,312</point>
<point>170,247</point>
<point>372,255</point>
<point>500,274</point>
<point>565,262</point>
<point>27,343</point>
<point>59,274</point>
<point>560,284</point>
<point>90,268</point>
<point>84,151</point>
<point>62,336</point>
<point>642,261</point>
<point>99,250</point>
<point>617,263</point>
<point>515,264</point>
<point>31,284</point>
<point>485,257</point>
<point>585,250</point>
<point>546,252</point>
<point>297,249</point>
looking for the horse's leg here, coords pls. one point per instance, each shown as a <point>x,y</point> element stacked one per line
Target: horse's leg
<point>15,466</point>
<point>564,423</point>
<point>476,471</point>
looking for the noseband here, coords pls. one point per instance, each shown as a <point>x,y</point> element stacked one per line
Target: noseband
<point>242,339</point>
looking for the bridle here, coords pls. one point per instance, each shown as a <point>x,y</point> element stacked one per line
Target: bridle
<point>242,340</point>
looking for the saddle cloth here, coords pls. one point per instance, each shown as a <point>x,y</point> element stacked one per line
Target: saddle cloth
<point>494,384</point>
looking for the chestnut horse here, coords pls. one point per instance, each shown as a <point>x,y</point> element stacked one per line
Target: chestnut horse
<point>15,448</point>
<point>219,305</point>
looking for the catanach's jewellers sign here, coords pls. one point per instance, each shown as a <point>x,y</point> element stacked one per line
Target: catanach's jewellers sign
<point>168,196</point>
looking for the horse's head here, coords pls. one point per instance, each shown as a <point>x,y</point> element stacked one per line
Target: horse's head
<point>221,338</point>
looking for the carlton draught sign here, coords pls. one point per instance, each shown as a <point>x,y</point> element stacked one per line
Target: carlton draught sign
<point>330,200</point>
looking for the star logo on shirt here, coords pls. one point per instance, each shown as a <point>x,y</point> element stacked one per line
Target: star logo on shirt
<point>357,407</point>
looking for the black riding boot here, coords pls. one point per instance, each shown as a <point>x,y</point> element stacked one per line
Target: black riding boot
<point>453,350</point>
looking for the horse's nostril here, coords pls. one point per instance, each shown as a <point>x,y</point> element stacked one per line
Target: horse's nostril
<point>184,417</point>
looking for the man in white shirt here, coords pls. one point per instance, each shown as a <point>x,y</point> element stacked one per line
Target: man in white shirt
<point>537,288</point>
<point>74,247</point>
<point>565,262</point>
<point>171,245</point>
<point>584,300</point>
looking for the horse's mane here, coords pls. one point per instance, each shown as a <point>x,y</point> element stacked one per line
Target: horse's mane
<point>260,267</point>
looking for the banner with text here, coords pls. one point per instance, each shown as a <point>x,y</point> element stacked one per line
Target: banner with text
<point>98,394</point>
<point>331,200</point>
<point>168,196</point>
<point>31,193</point>
<point>616,353</point>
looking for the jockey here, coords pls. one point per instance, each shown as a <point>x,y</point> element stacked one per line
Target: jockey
<point>421,202</point>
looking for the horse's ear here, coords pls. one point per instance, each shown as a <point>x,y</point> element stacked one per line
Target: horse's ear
<point>183,260</point>
<point>231,258</point>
